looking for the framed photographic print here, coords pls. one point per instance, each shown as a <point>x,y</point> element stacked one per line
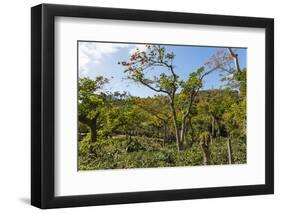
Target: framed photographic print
<point>139,106</point>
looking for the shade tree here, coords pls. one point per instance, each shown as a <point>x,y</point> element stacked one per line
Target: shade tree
<point>140,68</point>
<point>91,100</point>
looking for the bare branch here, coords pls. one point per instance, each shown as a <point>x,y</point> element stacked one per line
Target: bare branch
<point>235,56</point>
<point>151,87</point>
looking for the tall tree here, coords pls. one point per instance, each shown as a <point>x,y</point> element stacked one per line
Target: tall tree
<point>235,116</point>
<point>139,69</point>
<point>90,102</point>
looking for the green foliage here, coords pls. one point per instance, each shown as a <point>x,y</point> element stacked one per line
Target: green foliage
<point>139,152</point>
<point>89,98</point>
<point>118,131</point>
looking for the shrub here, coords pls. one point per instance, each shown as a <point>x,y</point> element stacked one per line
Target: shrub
<point>140,152</point>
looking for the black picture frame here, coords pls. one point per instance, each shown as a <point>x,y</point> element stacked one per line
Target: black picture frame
<point>43,105</point>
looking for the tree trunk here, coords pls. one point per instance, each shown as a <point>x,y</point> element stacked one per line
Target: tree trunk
<point>165,134</point>
<point>192,133</point>
<point>206,153</point>
<point>183,131</point>
<point>92,124</point>
<point>177,132</point>
<point>93,128</point>
<point>218,132</point>
<point>235,58</point>
<point>229,150</point>
<point>213,129</point>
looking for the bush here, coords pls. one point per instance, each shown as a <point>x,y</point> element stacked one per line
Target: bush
<point>142,152</point>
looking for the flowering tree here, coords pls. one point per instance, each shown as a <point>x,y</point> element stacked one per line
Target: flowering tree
<point>181,93</point>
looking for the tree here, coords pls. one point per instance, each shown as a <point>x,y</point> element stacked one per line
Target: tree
<point>234,117</point>
<point>168,83</point>
<point>212,108</point>
<point>157,107</point>
<point>90,102</point>
<point>123,117</point>
<point>204,139</point>
<point>234,56</point>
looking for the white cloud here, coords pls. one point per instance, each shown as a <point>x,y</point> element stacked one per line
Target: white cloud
<point>141,47</point>
<point>94,52</point>
<point>90,52</point>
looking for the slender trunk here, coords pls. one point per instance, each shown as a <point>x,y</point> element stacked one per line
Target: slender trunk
<point>192,133</point>
<point>93,128</point>
<point>229,150</point>
<point>165,134</point>
<point>183,131</point>
<point>218,132</point>
<point>128,135</point>
<point>177,132</point>
<point>213,129</point>
<point>206,153</point>
<point>235,58</point>
<point>158,132</point>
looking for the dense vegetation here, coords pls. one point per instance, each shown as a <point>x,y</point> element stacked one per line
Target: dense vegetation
<point>182,125</point>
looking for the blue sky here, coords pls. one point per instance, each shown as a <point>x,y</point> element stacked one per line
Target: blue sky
<point>97,58</point>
